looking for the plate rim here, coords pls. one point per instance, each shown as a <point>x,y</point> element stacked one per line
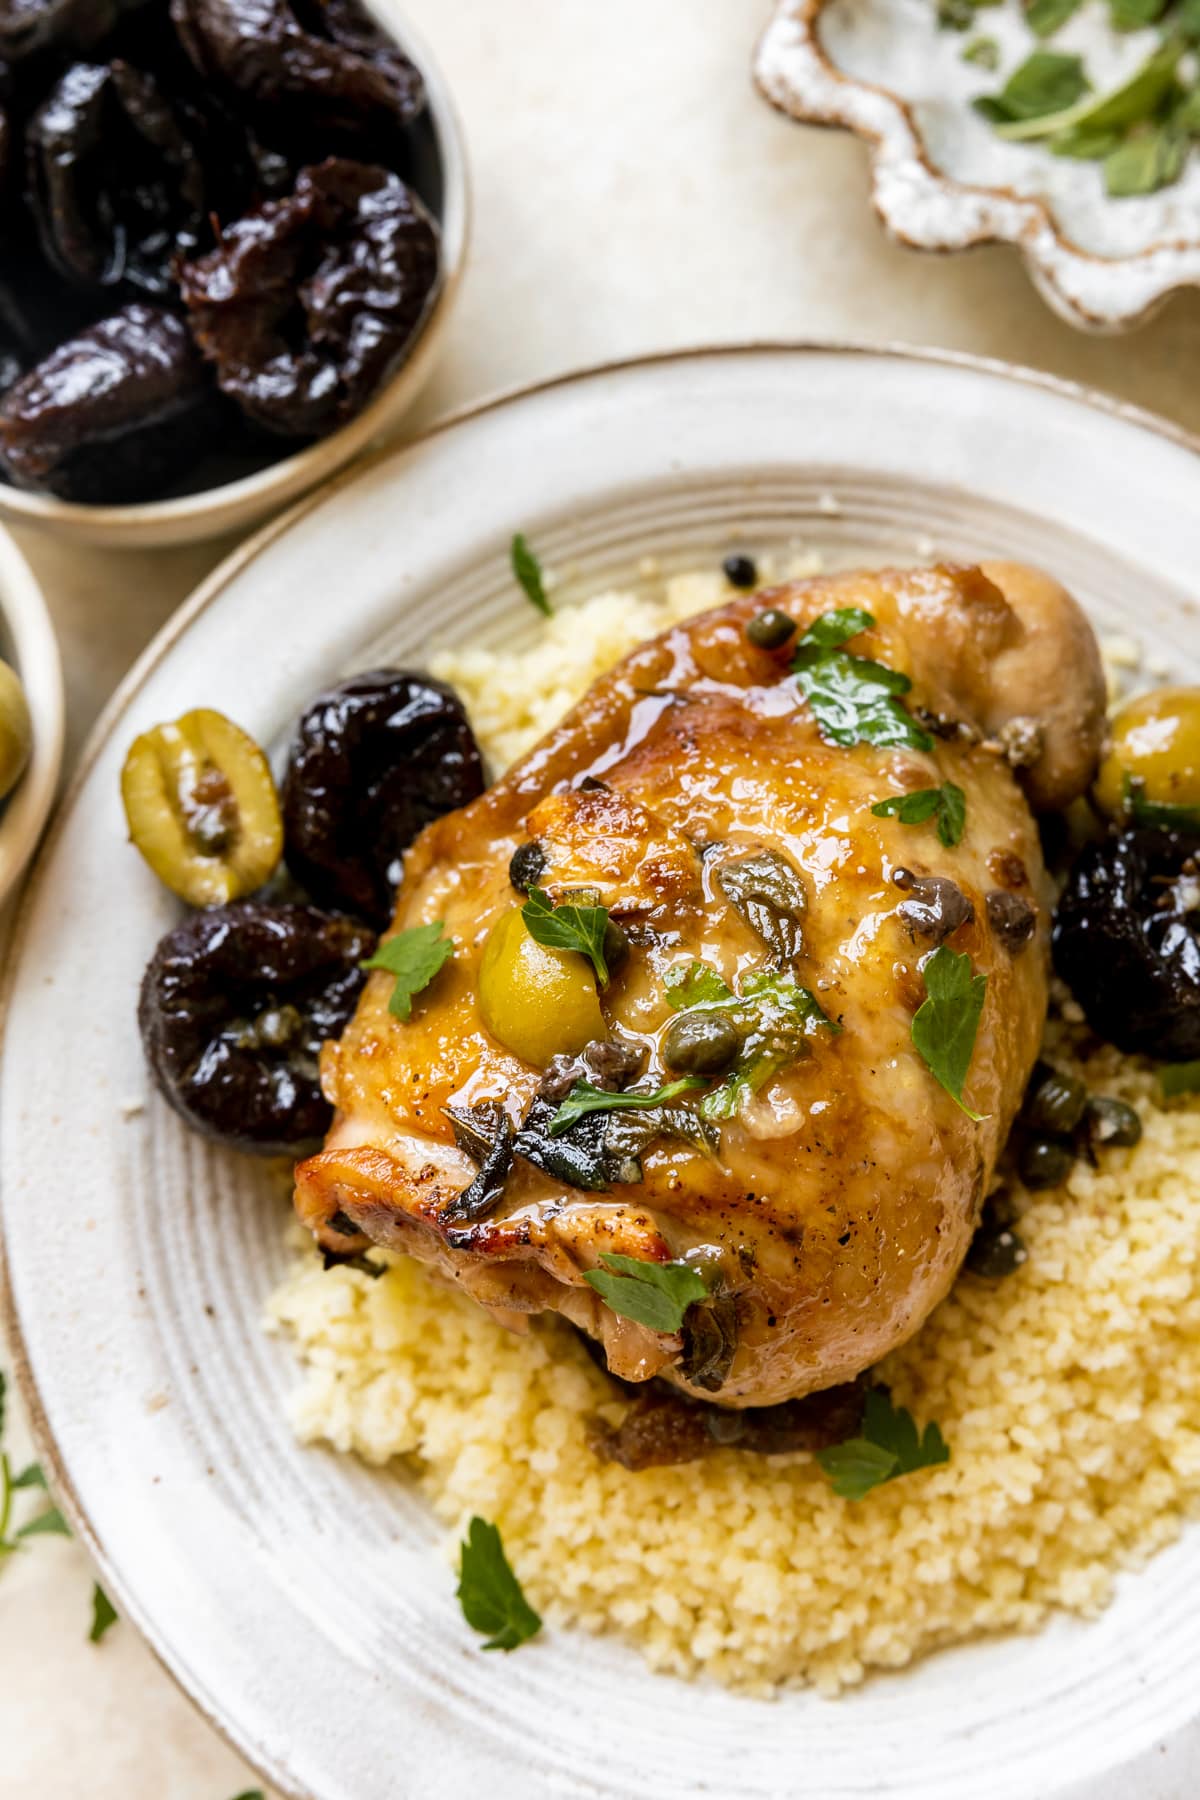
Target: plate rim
<point>165,639</point>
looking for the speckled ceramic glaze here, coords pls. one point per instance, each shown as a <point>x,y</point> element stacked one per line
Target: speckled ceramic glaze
<point>943,180</point>
<point>302,1598</point>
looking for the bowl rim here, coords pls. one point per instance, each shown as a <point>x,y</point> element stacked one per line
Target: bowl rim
<point>251,495</point>
<point>209,590</point>
<point>39,666</point>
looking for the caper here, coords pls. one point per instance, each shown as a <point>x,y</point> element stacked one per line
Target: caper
<point>535,1000</point>
<point>16,733</point>
<point>1045,1162</point>
<point>1055,1102</point>
<point>526,866</point>
<point>740,571</point>
<point>700,1043</point>
<point>771,629</point>
<point>1112,1124</point>
<point>996,1250</point>
<point>201,808</point>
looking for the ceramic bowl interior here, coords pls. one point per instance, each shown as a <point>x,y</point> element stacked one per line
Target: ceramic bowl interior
<point>240,491</point>
<point>303,1599</point>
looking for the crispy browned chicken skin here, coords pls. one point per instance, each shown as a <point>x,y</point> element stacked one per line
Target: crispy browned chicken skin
<point>843,1195</point>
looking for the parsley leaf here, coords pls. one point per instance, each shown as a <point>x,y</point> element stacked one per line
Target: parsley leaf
<point>251,1794</point>
<point>854,699</point>
<point>984,52</point>
<point>572,925</point>
<point>1045,85</point>
<point>946,1024</point>
<point>654,1294</point>
<point>888,1447</point>
<point>948,804</point>
<point>695,984</point>
<point>777,1017</point>
<point>490,1594</point>
<point>584,1099</point>
<point>104,1617</point>
<point>1133,101</point>
<point>1150,157</point>
<point>31,1477</point>
<point>47,1524</point>
<point>414,958</point>
<point>528,571</point>
<point>1179,1078</point>
<point>1045,17</point>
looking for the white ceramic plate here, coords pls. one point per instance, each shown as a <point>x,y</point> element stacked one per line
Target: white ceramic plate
<point>299,1596</point>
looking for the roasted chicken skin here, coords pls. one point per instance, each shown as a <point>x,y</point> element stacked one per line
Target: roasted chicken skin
<point>836,1204</point>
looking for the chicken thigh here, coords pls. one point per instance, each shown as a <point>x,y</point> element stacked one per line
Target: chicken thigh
<point>719,804</point>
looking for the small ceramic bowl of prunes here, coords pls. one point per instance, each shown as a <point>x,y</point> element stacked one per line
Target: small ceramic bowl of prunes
<point>229,234</point>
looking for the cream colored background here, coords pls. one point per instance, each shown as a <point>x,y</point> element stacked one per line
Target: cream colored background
<point>631,193</point>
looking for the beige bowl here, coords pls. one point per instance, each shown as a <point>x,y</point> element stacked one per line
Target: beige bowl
<point>245,500</point>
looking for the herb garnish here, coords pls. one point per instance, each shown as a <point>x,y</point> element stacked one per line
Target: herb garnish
<point>653,1294</point>
<point>854,699</point>
<point>584,1099</point>
<point>1166,813</point>
<point>948,804</point>
<point>946,1024</point>
<point>528,571</point>
<point>1140,130</point>
<point>888,1446</point>
<point>49,1520</point>
<point>983,51</point>
<point>577,924</point>
<point>414,958</point>
<point>104,1614</point>
<point>490,1594</point>
<point>775,1015</point>
<point>695,984</point>
<point>1179,1078</point>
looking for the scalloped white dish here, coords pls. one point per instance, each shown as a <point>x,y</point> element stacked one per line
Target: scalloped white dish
<point>941,178</point>
<point>300,1597</point>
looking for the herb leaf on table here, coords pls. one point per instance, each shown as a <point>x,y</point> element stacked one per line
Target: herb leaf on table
<point>104,1614</point>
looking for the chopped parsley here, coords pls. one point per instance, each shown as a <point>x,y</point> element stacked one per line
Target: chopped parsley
<point>888,1446</point>
<point>653,1294</point>
<point>490,1594</point>
<point>946,1024</point>
<point>414,957</point>
<point>584,1099</point>
<point>947,804</point>
<point>576,924</point>
<point>854,699</point>
<point>104,1617</point>
<point>695,984</point>
<point>528,571</point>
<point>775,1015</point>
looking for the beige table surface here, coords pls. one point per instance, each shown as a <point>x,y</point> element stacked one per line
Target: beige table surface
<point>632,193</point>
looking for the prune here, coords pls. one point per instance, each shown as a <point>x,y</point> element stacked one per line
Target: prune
<point>308,302</point>
<point>113,414</point>
<point>373,761</point>
<point>27,26</point>
<point>234,1008</point>
<point>116,181</point>
<point>1127,941</point>
<point>324,60</point>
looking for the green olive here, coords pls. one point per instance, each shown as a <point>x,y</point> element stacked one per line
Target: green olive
<point>1154,742</point>
<point>16,733</point>
<point>770,629</point>
<point>536,1001</point>
<point>201,807</point>
<point>700,1043</point>
<point>1055,1102</point>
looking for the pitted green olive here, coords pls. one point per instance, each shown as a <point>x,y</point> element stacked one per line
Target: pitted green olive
<point>1153,753</point>
<point>201,807</point>
<point>534,1000</point>
<point>16,734</point>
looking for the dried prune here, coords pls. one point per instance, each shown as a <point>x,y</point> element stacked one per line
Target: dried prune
<point>27,26</point>
<point>665,1427</point>
<point>324,60</point>
<point>235,1005</point>
<point>373,761</point>
<point>1127,941</point>
<point>307,303</point>
<point>113,414</point>
<point>116,181</point>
